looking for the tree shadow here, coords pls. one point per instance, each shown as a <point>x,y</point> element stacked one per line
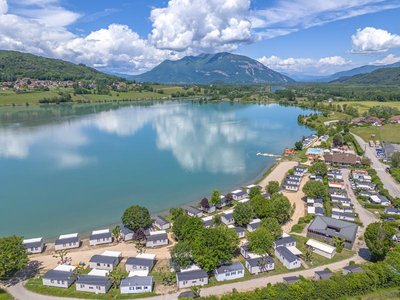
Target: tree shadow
<point>29,271</point>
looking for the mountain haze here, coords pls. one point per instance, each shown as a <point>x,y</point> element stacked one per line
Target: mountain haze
<point>213,68</point>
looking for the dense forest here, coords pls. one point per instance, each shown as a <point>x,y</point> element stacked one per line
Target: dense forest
<point>15,65</point>
<point>386,76</point>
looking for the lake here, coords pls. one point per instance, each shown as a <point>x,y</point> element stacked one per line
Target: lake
<point>68,169</point>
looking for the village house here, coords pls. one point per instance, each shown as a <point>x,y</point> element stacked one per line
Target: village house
<point>342,159</point>
<point>141,265</point>
<point>193,276</point>
<point>239,195</point>
<point>253,225</point>
<point>33,246</point>
<point>321,275</point>
<point>62,276</point>
<point>351,269</point>
<point>208,221</point>
<point>157,238</point>
<point>126,233</point>
<point>322,249</point>
<point>108,260</point>
<point>136,285</point>
<point>260,264</point>
<point>327,229</point>
<point>336,184</point>
<point>239,231</point>
<point>193,211</point>
<point>99,237</point>
<point>367,120</point>
<point>392,211</point>
<point>380,199</point>
<point>229,272</point>
<point>227,217</point>
<point>287,258</point>
<point>347,216</point>
<point>291,279</point>
<point>161,223</point>
<point>96,281</point>
<point>300,171</point>
<point>67,241</point>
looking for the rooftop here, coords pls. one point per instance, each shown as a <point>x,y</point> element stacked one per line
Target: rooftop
<point>333,227</point>
<point>191,275</point>
<point>286,254</point>
<point>229,268</point>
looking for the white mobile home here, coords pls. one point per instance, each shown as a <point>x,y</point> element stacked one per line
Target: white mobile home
<point>96,281</point>
<point>157,238</point>
<point>136,285</point>
<point>99,237</point>
<point>287,258</point>
<point>322,249</point>
<point>108,260</point>
<point>127,233</point>
<point>229,272</point>
<point>161,223</point>
<point>260,264</point>
<point>141,265</point>
<point>186,279</point>
<point>68,241</point>
<point>227,217</point>
<point>62,276</point>
<point>33,246</point>
<point>253,225</point>
<point>239,195</point>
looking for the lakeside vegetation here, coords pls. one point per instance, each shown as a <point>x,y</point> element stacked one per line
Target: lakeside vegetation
<point>4,295</point>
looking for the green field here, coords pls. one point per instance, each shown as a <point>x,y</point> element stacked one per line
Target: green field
<point>390,293</point>
<point>387,133</point>
<point>10,97</point>
<point>4,295</point>
<point>363,106</point>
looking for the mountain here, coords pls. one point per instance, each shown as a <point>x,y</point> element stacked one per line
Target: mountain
<point>15,65</point>
<point>360,70</point>
<point>213,68</point>
<point>384,76</point>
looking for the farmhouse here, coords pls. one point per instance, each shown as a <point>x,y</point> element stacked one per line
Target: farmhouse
<point>229,272</point>
<point>61,276</point>
<point>33,246</point>
<point>96,281</point>
<point>136,285</point>
<point>68,241</point>
<point>99,237</point>
<point>328,229</point>
<point>322,249</point>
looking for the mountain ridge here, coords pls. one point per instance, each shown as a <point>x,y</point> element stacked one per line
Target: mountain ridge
<point>222,67</point>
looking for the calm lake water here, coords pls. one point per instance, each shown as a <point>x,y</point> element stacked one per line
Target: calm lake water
<point>64,170</point>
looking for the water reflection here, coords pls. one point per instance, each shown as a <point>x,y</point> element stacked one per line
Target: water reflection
<point>199,139</point>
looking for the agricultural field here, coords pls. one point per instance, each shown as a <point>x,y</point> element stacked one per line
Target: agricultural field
<point>363,106</point>
<point>387,133</point>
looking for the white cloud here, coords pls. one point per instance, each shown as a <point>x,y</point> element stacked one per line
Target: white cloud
<point>309,66</point>
<point>3,7</point>
<point>202,25</point>
<point>387,60</point>
<point>371,39</point>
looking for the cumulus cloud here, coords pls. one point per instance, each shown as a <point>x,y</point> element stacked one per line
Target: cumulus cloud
<point>201,25</point>
<point>371,39</point>
<point>387,60</point>
<point>309,66</point>
<point>3,7</point>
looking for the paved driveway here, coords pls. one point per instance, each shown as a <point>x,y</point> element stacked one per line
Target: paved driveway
<point>389,183</point>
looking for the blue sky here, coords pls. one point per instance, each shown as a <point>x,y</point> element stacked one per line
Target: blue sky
<point>298,38</point>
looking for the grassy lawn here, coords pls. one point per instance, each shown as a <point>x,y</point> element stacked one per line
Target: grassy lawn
<point>319,260</point>
<point>4,295</point>
<point>363,106</point>
<point>383,294</point>
<point>35,285</point>
<point>387,133</point>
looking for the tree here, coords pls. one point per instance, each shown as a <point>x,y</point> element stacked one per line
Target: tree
<point>338,140</point>
<point>116,233</point>
<point>339,244</point>
<point>13,256</point>
<point>273,187</point>
<point>176,212</point>
<point>319,168</point>
<point>378,237</point>
<point>243,214</point>
<point>393,258</point>
<point>365,161</point>
<point>298,145</point>
<point>186,227</point>
<point>215,198</point>
<point>273,227</point>
<point>167,278</point>
<point>63,257</point>
<point>196,291</point>
<point>181,254</point>
<point>260,206</point>
<point>255,191</point>
<point>217,220</point>
<point>395,160</point>
<point>309,255</point>
<point>315,189</point>
<point>136,217</point>
<point>214,246</point>
<point>260,241</point>
<point>116,277</point>
<point>279,207</point>
<point>204,203</point>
